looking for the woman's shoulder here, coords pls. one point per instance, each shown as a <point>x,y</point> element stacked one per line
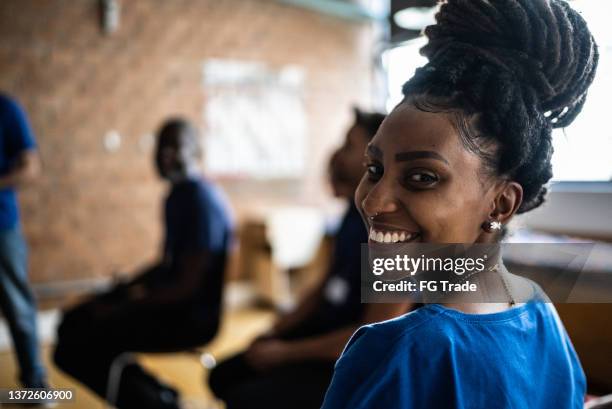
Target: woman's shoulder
<point>438,325</point>
<point>383,338</point>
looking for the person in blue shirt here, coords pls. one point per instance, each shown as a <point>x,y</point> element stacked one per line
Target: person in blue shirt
<point>19,164</point>
<point>172,306</point>
<point>467,149</point>
<point>290,366</point>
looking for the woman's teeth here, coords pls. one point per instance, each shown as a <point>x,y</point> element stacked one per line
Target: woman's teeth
<point>391,236</point>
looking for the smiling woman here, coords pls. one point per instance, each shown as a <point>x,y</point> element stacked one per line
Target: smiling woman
<point>469,147</point>
<point>421,179</point>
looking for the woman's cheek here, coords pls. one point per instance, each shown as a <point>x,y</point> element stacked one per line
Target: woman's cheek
<point>437,217</point>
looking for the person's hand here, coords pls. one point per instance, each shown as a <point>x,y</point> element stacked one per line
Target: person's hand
<point>104,310</point>
<point>266,336</point>
<point>136,292</point>
<point>266,354</point>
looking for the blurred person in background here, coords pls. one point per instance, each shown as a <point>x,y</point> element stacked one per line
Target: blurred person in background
<point>175,304</point>
<point>19,164</point>
<point>291,365</point>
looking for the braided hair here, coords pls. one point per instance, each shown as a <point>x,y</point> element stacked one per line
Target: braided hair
<point>509,71</point>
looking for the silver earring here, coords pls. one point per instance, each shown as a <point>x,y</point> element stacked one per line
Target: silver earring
<point>494,225</point>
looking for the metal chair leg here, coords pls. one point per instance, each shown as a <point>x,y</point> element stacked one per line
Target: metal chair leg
<point>114,377</point>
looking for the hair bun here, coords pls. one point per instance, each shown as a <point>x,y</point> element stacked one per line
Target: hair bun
<point>544,44</point>
<point>513,69</point>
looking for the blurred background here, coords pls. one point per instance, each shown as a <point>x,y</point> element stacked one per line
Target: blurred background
<point>270,84</point>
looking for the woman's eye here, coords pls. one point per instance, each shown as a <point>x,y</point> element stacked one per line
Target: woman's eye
<point>422,179</point>
<point>374,171</point>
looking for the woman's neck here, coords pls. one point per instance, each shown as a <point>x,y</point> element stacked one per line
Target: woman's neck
<point>481,308</point>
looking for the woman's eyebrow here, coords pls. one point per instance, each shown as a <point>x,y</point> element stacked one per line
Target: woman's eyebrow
<point>375,152</point>
<point>406,156</point>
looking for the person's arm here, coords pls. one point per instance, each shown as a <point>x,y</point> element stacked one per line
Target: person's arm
<point>189,273</point>
<point>26,168</point>
<point>145,275</point>
<point>136,294</point>
<point>137,286</point>
<point>19,145</point>
<point>293,318</point>
<point>328,346</point>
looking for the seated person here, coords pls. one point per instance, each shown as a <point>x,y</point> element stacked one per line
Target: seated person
<point>173,305</point>
<point>467,149</point>
<point>291,366</point>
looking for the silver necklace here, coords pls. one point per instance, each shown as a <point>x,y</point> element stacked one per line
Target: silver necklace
<point>501,272</point>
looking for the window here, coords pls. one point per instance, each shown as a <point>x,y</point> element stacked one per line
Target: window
<point>583,151</point>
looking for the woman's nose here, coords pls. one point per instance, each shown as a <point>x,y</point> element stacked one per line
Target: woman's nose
<point>379,200</point>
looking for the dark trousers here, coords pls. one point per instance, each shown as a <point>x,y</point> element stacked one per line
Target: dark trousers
<point>18,306</point>
<point>87,347</point>
<point>300,385</point>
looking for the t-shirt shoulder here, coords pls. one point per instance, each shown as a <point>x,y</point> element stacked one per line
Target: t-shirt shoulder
<point>8,104</point>
<point>199,193</point>
<point>433,322</point>
<point>15,125</point>
<point>382,338</point>
<point>381,359</point>
<point>205,191</point>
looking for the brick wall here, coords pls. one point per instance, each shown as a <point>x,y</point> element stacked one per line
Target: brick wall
<point>94,211</point>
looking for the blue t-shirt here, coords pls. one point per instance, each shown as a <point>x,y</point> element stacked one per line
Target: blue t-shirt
<point>197,218</point>
<point>435,357</point>
<point>15,137</point>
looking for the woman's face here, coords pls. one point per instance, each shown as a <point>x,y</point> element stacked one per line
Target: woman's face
<point>422,183</point>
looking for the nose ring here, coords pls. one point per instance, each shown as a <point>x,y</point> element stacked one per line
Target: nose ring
<point>372,217</point>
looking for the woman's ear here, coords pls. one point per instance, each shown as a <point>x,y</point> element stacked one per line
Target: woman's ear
<point>507,201</point>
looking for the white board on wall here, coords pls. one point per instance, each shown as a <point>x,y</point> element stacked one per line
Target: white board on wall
<point>255,121</point>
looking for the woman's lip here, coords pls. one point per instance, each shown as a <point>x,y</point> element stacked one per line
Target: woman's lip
<point>391,227</point>
<point>388,237</point>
